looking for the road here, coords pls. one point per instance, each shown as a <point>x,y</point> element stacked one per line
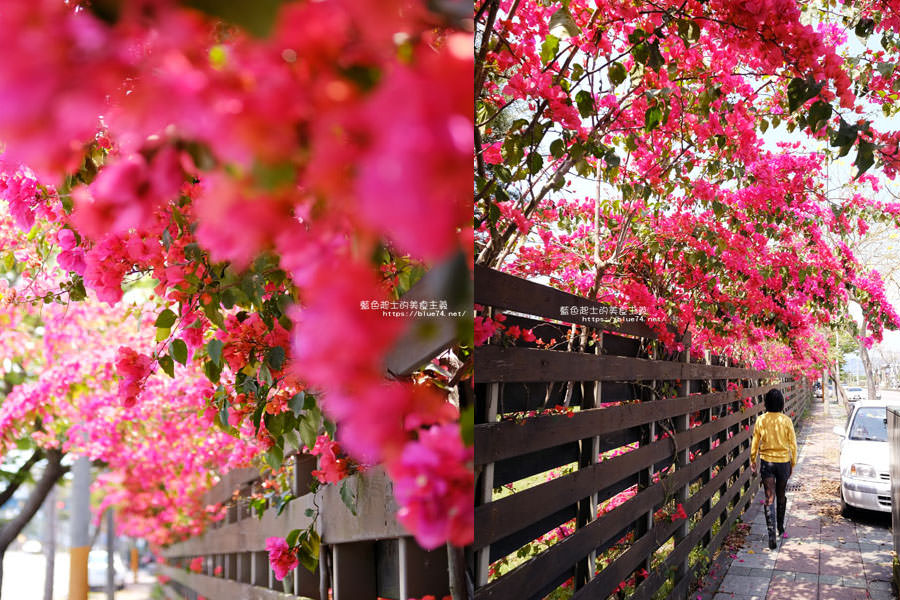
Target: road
<point>23,579</point>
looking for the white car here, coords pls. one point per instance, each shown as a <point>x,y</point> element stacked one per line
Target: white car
<point>855,394</point>
<point>865,458</point>
<point>97,570</point>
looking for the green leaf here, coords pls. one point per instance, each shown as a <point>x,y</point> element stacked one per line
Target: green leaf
<point>296,403</point>
<point>291,538</point>
<point>309,551</point>
<point>844,137</point>
<point>257,17</point>
<point>282,503</point>
<point>348,496</point>
<point>617,74</point>
<point>535,163</point>
<point>214,349</point>
<point>179,351</point>
<point>273,176</point>
<point>274,457</point>
<point>259,506</point>
<point>309,426</point>
<point>166,319</point>
<point>864,27</point>
<point>512,151</point>
<point>212,371</point>
<point>557,148</point>
<point>549,48</point>
<point>467,425</point>
<point>292,440</point>
<point>585,103</point>
<point>688,30</point>
<point>167,365</point>
<point>885,68</point>
<point>265,376</point>
<point>819,113</point>
<point>212,313</point>
<point>799,91</point>
<point>655,58</point>
<point>162,333</point>
<point>637,36</point>
<point>865,157</point>
<point>641,53</point>
<point>795,91</point>
<point>652,118</point>
<point>308,432</point>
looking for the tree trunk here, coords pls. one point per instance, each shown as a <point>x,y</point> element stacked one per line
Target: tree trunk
<point>867,365</point>
<point>52,472</point>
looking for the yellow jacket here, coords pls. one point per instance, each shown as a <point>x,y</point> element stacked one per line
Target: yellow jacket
<point>774,439</point>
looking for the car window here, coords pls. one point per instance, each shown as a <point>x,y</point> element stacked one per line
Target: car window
<point>869,423</point>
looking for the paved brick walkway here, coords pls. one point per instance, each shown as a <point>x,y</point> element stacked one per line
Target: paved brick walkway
<point>825,557</point>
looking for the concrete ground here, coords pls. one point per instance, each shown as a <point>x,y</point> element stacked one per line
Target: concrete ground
<point>23,579</point>
<point>825,556</point>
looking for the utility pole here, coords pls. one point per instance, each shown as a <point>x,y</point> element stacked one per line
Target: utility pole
<point>49,542</point>
<point>110,555</point>
<point>80,521</point>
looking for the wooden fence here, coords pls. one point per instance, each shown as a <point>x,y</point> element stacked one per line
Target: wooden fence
<point>363,557</point>
<point>368,555</point>
<point>584,455</point>
<point>893,430</point>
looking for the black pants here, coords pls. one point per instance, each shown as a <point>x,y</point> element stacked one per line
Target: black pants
<point>775,477</point>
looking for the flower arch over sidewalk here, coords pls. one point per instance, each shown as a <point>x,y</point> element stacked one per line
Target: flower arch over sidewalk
<point>272,173</point>
<point>705,132</point>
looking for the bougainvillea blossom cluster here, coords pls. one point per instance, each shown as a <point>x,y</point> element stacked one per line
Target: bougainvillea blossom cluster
<point>253,175</point>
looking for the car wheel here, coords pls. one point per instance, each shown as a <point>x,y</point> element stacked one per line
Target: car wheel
<point>846,509</point>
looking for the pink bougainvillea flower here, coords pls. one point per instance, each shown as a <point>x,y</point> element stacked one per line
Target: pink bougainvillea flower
<point>282,558</point>
<point>133,369</point>
<point>331,469</point>
<point>435,489</point>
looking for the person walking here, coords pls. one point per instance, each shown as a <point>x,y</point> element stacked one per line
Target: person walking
<point>775,444</point>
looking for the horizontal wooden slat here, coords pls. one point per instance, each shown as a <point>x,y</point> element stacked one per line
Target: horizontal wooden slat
<point>247,534</point>
<point>647,589</point>
<point>502,517</point>
<point>231,481</point>
<point>375,510</point>
<point>506,439</point>
<point>534,529</point>
<point>547,565</point>
<point>606,581</point>
<point>216,587</point>
<point>526,465</point>
<point>499,364</point>
<point>501,290</point>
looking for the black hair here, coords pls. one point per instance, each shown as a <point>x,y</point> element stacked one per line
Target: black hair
<point>774,401</point>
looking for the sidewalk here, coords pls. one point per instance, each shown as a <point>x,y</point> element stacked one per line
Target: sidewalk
<point>825,556</point>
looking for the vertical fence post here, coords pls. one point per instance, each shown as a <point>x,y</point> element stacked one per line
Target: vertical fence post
<point>705,448</point>
<point>644,522</point>
<point>483,556</point>
<point>586,510</point>
<point>682,461</point>
<point>595,447</point>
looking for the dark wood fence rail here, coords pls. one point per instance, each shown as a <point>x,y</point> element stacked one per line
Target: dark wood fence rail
<point>663,432</point>
<point>369,554</point>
